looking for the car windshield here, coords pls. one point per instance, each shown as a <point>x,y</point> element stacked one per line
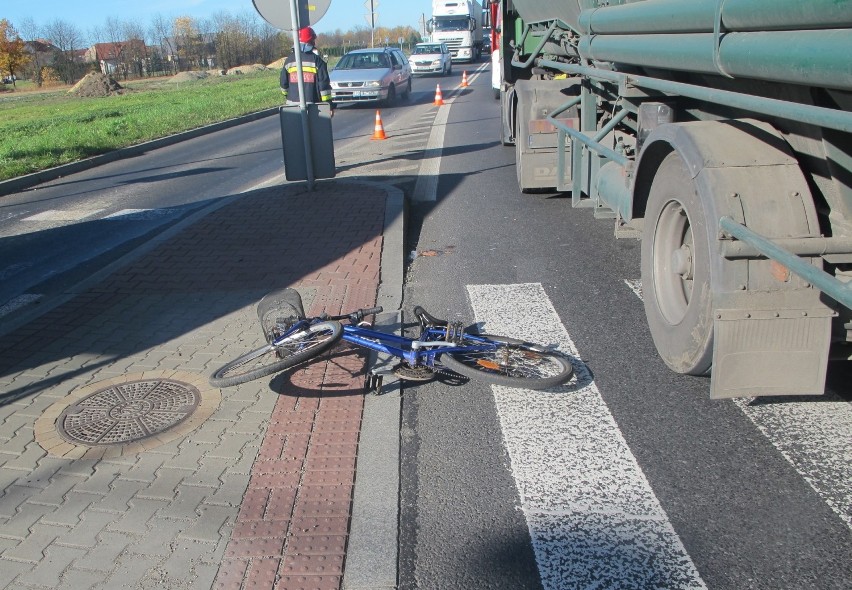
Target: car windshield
<point>363,61</point>
<point>451,24</point>
<point>427,49</point>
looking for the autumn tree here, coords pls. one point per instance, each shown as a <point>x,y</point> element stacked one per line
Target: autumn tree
<point>188,41</point>
<point>13,55</point>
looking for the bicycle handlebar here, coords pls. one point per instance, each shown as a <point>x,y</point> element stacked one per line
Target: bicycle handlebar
<point>355,316</point>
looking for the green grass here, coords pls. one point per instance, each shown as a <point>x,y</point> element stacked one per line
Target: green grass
<point>46,129</point>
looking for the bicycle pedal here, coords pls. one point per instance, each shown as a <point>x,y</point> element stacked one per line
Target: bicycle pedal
<point>373,383</point>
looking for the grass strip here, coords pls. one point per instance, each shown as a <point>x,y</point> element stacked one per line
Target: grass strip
<point>43,130</point>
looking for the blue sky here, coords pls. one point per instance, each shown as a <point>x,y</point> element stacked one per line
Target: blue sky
<point>91,14</point>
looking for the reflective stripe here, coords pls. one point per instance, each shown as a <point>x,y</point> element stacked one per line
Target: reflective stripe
<point>311,69</point>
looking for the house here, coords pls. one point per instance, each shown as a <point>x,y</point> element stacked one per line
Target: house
<point>116,57</point>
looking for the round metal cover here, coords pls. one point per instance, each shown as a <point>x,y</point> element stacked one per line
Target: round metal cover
<point>128,412</point>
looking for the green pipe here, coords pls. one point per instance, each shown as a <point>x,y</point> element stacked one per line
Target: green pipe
<point>762,15</point>
<point>701,16</point>
<point>797,246</point>
<point>803,113</point>
<point>815,58</point>
<point>837,290</point>
<point>650,16</point>
<point>611,124</point>
<point>590,143</point>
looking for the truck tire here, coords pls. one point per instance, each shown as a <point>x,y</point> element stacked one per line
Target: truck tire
<point>676,270</point>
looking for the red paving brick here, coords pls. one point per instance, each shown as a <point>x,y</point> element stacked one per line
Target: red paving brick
<point>292,529</point>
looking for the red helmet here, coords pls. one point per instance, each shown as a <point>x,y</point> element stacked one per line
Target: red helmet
<point>307,35</point>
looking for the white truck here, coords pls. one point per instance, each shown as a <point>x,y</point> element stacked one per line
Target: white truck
<point>458,23</point>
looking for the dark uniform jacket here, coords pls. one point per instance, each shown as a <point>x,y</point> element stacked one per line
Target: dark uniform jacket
<point>314,76</point>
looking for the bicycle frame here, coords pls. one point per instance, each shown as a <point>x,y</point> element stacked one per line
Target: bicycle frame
<point>422,351</point>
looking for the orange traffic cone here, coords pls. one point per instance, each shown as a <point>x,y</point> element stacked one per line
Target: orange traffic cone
<point>464,80</point>
<point>439,98</point>
<point>379,133</point>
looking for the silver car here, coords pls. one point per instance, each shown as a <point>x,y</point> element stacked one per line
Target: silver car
<point>431,58</point>
<point>366,75</point>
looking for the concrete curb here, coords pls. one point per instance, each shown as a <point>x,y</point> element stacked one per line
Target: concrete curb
<point>372,552</point>
<point>20,183</point>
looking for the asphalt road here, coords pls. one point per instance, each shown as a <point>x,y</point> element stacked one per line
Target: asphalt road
<point>630,477</point>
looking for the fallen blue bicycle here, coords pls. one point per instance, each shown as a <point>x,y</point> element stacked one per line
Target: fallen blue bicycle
<point>441,346</point>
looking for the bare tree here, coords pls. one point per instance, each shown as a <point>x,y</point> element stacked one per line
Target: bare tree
<point>160,34</point>
<point>67,38</point>
<point>31,32</point>
<point>136,51</point>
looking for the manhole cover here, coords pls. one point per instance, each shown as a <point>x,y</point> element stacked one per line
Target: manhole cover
<point>128,412</point>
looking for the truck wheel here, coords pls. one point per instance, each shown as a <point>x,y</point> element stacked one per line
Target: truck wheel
<point>676,271</point>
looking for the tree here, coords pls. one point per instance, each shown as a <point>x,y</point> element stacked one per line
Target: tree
<point>13,55</point>
<point>66,37</point>
<point>188,41</point>
<point>31,32</point>
<point>160,35</point>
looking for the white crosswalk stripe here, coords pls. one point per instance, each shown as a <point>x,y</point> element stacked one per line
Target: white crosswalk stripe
<point>814,436</point>
<point>592,516</point>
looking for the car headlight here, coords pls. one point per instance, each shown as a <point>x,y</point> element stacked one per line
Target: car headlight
<point>373,83</point>
<point>437,62</point>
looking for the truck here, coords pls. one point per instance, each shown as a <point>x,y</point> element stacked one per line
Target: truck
<point>458,23</point>
<point>717,132</point>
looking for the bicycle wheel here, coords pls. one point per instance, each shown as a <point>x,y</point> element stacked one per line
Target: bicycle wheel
<point>271,358</point>
<point>513,363</point>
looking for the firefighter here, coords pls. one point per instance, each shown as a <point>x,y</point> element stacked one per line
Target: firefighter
<point>314,73</point>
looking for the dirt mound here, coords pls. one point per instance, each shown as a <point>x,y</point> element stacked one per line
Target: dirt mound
<point>96,85</point>
<point>189,76</point>
<point>247,69</point>
<point>278,64</point>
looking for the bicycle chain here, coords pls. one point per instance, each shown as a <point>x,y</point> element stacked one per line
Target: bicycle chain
<point>419,373</point>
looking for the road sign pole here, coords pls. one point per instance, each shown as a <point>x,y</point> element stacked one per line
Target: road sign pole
<point>303,105</point>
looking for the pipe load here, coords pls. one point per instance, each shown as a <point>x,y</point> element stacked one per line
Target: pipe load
<point>648,17</point>
<point>794,57</point>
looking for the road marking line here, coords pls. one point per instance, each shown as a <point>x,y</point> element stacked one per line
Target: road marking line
<point>126,214</point>
<point>814,436</point>
<point>426,187</point>
<point>18,302</point>
<point>635,286</point>
<point>592,516</point>
<point>59,215</point>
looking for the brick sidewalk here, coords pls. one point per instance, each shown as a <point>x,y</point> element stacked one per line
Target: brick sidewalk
<point>259,494</point>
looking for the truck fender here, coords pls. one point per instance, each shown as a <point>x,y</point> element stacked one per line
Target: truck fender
<point>767,329</point>
<point>746,158</point>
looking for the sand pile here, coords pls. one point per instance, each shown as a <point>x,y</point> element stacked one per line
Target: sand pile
<point>96,85</point>
<point>247,69</point>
